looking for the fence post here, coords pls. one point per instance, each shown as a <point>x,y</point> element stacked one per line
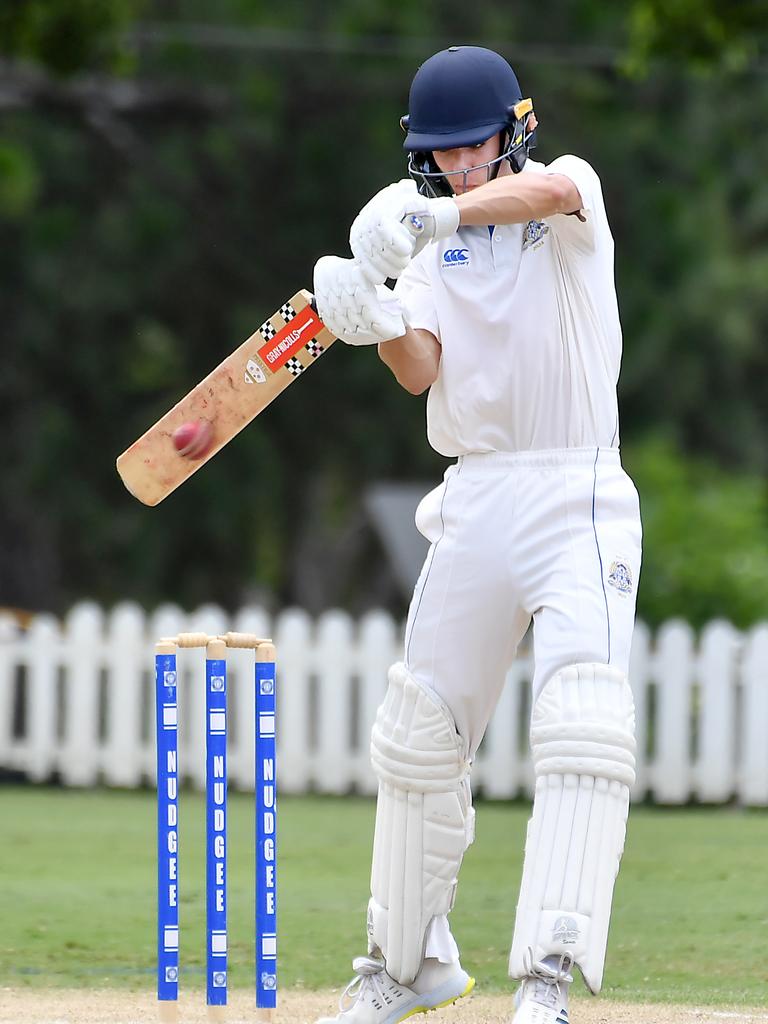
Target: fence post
<point>639,672</point>
<point>753,774</point>
<point>293,638</point>
<point>380,646</point>
<point>8,658</point>
<point>673,672</point>
<point>83,650</point>
<point>335,661</point>
<point>124,661</point>
<point>715,765</point>
<point>43,645</point>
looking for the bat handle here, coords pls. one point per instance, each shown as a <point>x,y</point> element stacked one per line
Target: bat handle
<point>414,224</point>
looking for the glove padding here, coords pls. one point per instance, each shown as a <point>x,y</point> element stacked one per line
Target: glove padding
<point>384,237</point>
<point>351,307</point>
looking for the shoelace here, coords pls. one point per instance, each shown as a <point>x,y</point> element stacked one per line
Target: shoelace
<point>546,981</point>
<point>367,970</point>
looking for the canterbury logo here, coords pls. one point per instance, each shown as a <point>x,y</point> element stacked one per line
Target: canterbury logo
<point>456,256</point>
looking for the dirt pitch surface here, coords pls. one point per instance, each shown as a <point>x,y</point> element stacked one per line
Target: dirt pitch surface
<point>69,1006</point>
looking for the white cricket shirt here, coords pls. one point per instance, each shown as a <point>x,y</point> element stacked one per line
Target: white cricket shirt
<point>529,326</point>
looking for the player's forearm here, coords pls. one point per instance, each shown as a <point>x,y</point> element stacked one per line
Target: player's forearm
<point>414,359</point>
<point>518,198</point>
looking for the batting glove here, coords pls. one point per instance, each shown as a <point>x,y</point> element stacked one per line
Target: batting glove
<point>379,240</point>
<point>395,225</point>
<point>439,218</point>
<point>351,307</point>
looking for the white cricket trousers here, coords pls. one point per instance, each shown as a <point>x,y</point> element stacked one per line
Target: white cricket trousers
<point>548,536</point>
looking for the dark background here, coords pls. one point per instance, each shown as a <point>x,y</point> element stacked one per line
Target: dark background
<point>169,173</point>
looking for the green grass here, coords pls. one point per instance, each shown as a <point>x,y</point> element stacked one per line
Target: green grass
<point>77,900</point>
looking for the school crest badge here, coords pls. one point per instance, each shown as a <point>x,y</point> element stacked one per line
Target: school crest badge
<point>534,232</point>
<point>620,576</point>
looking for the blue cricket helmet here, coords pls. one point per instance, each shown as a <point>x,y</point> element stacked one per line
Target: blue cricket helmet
<point>460,97</point>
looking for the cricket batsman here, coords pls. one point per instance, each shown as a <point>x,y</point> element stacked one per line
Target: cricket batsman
<point>505,309</point>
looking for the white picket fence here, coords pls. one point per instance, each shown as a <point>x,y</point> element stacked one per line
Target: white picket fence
<point>76,703</point>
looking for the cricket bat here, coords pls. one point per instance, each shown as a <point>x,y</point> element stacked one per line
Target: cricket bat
<point>232,395</point>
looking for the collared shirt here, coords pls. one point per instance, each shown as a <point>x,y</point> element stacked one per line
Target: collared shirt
<point>528,321</point>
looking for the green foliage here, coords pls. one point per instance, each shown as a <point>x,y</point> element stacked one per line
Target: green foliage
<point>67,37</point>
<point>705,35</point>
<point>691,272</point>
<point>705,544</point>
<point>19,181</point>
<point>139,246</point>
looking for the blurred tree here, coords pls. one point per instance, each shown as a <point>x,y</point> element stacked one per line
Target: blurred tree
<point>705,35</point>
<point>70,36</point>
<point>164,184</point>
<point>705,537</point>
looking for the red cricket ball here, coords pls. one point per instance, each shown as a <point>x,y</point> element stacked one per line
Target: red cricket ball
<point>193,440</point>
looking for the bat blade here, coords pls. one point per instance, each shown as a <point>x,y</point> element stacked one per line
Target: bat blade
<point>232,395</point>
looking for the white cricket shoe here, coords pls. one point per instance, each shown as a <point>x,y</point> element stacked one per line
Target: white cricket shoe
<point>373,997</point>
<point>543,994</point>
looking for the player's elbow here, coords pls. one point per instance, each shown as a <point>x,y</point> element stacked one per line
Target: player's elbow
<point>414,360</point>
<point>562,195</point>
<point>415,377</point>
<point>417,383</point>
